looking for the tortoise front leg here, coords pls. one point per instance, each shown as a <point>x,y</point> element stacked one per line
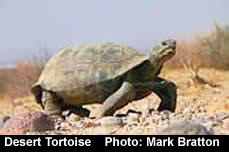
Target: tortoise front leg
<point>51,103</point>
<point>168,95</point>
<point>166,90</point>
<point>118,99</point>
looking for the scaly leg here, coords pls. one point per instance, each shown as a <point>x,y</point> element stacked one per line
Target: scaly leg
<point>51,103</point>
<point>166,90</point>
<point>118,99</point>
<point>168,96</point>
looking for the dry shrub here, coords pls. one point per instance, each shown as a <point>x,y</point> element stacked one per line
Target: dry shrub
<point>28,74</point>
<point>216,47</point>
<point>211,50</point>
<point>17,81</point>
<point>194,75</point>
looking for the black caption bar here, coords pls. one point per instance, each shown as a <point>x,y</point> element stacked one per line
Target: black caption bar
<point>110,142</point>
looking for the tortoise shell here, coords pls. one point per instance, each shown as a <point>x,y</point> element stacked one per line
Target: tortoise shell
<point>80,73</point>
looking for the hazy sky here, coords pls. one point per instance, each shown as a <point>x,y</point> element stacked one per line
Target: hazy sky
<point>28,27</point>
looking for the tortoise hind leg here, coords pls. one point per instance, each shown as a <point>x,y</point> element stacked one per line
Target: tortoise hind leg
<point>118,99</point>
<point>51,103</point>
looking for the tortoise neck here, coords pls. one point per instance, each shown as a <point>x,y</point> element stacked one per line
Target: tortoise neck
<point>155,60</point>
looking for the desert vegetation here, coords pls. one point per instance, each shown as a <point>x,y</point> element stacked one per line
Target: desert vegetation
<point>210,50</point>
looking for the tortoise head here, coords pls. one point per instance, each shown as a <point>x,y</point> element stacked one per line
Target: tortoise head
<point>163,52</point>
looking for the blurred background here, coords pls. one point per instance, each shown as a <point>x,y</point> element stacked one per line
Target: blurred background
<point>31,27</point>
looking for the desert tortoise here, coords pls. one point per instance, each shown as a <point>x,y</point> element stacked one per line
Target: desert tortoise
<point>107,73</point>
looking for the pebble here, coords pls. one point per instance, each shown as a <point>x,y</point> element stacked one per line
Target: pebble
<point>110,121</point>
<point>73,117</point>
<point>133,117</point>
<point>165,114</point>
<point>3,119</point>
<point>185,128</point>
<point>187,111</point>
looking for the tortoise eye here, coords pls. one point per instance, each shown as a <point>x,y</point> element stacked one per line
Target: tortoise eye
<point>164,43</point>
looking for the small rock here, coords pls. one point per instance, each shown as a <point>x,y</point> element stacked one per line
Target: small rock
<point>187,111</point>
<point>185,128</point>
<point>30,121</point>
<point>110,121</point>
<point>165,114</point>
<point>3,120</point>
<point>73,118</point>
<point>63,126</point>
<point>133,117</point>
